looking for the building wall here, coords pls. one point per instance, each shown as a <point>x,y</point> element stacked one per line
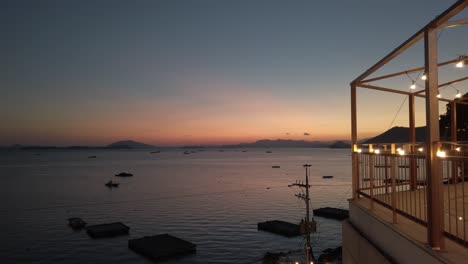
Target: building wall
<point>357,250</point>
<point>369,239</point>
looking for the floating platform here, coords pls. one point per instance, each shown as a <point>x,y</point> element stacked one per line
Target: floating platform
<point>333,213</point>
<point>76,223</point>
<point>327,177</point>
<point>276,166</point>
<point>161,247</point>
<point>330,254</point>
<point>280,227</point>
<point>107,230</point>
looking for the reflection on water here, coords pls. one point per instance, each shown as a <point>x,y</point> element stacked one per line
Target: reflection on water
<point>213,199</point>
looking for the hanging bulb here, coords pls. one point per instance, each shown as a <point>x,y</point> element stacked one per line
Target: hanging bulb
<point>413,86</point>
<point>459,64</point>
<point>424,77</point>
<point>438,95</point>
<point>458,94</point>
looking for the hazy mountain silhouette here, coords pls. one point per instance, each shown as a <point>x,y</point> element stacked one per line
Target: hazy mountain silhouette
<point>283,143</point>
<point>129,144</point>
<point>340,144</point>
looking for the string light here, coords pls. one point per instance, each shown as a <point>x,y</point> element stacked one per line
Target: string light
<point>413,86</point>
<point>359,150</point>
<point>458,149</point>
<point>377,151</point>
<point>401,152</point>
<point>459,64</point>
<point>420,149</point>
<point>438,95</point>
<point>424,77</point>
<point>459,95</point>
<point>441,153</point>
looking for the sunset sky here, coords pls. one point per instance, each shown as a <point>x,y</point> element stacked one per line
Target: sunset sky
<point>204,72</point>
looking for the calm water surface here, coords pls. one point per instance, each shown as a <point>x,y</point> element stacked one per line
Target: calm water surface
<point>213,199</point>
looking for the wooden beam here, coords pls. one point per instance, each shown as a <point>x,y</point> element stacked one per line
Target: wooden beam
<point>378,88</point>
<point>445,84</point>
<point>354,155</point>
<point>435,203</point>
<point>454,81</point>
<point>408,71</point>
<point>454,23</point>
<point>439,20</point>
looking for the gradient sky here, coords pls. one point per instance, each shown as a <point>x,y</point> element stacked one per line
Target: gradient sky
<point>202,72</point>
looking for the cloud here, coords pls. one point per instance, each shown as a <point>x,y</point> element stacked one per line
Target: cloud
<point>306,134</point>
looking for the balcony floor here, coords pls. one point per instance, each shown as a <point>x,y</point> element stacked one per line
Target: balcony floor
<point>453,252</point>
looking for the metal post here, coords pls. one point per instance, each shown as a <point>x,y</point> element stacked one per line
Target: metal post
<point>355,162</point>
<point>412,139</point>
<point>393,180</point>
<point>310,254</point>
<point>435,209</point>
<point>371,178</point>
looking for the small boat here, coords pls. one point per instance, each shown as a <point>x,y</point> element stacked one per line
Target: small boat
<point>269,151</point>
<point>92,157</point>
<point>124,174</point>
<point>244,151</point>
<point>221,150</point>
<point>76,223</point>
<point>187,152</point>
<point>327,177</point>
<point>276,166</point>
<point>111,184</point>
<point>154,152</point>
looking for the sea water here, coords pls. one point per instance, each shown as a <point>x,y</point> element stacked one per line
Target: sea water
<point>213,198</point>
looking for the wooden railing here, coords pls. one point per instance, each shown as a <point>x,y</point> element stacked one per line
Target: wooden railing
<point>399,182</point>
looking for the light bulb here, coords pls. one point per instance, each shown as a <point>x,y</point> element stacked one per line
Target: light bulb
<point>424,77</point>
<point>441,154</point>
<point>377,151</point>
<point>413,86</point>
<point>359,150</point>
<point>438,95</point>
<point>420,149</point>
<point>459,64</point>
<point>458,94</point>
<point>401,152</point>
<point>458,149</point>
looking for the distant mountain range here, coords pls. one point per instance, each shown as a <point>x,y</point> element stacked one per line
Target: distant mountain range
<point>398,135</point>
<point>264,143</point>
<point>124,144</point>
<point>129,144</point>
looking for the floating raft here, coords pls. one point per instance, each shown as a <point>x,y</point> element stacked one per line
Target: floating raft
<point>161,247</point>
<point>76,223</point>
<point>280,228</point>
<point>333,213</point>
<point>107,230</point>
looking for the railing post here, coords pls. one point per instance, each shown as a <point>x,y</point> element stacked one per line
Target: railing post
<point>435,206</point>
<point>354,154</point>
<point>371,178</point>
<point>412,139</point>
<point>393,177</point>
<point>453,137</point>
